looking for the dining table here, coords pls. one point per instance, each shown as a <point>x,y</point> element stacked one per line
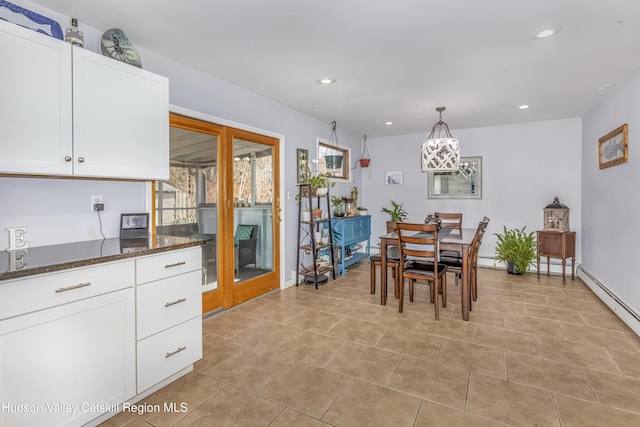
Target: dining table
<point>453,240</point>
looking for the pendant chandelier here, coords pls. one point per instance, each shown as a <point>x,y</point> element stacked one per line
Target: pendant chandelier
<point>440,151</point>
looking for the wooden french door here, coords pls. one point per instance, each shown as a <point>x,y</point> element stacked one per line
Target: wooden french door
<point>224,183</point>
<point>251,183</point>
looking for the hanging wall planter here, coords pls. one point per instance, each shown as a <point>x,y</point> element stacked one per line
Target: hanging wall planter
<point>334,161</point>
<point>364,158</point>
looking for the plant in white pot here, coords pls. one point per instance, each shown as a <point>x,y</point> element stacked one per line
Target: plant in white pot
<point>320,183</point>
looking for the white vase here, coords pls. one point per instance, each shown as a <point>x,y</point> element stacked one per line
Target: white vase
<point>306,216</point>
<point>322,191</point>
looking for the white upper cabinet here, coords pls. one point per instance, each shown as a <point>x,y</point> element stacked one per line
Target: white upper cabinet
<point>35,103</point>
<point>121,119</point>
<point>75,112</point>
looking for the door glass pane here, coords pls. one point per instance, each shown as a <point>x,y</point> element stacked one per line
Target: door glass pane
<point>253,206</point>
<point>187,203</point>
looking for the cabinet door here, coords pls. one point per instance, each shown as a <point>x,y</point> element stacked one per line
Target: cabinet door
<point>121,119</point>
<point>80,354</point>
<point>550,243</point>
<point>35,106</point>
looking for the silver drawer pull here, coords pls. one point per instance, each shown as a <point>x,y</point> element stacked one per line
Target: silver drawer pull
<point>175,265</point>
<point>178,301</point>
<point>168,355</point>
<point>70,288</point>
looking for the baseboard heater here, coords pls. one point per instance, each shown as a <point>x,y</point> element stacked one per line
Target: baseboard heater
<point>611,295</point>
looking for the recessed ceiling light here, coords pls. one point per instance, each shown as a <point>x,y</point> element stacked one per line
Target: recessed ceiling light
<point>523,107</point>
<point>388,123</point>
<point>326,81</point>
<point>547,32</point>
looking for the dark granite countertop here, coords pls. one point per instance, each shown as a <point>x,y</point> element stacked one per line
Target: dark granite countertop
<point>45,259</point>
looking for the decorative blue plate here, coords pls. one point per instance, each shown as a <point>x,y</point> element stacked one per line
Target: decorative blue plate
<point>115,44</point>
<point>28,19</point>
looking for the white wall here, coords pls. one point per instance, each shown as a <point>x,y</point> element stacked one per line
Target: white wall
<point>59,210</point>
<point>524,167</point>
<point>611,197</point>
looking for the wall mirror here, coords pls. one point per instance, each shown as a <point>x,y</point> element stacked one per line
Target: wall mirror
<point>334,159</point>
<point>465,183</point>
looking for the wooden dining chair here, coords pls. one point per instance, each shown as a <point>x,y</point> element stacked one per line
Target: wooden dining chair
<point>419,261</point>
<point>453,221</point>
<point>393,262</point>
<point>454,264</point>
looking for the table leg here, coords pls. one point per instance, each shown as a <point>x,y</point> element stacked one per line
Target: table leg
<point>538,268</point>
<point>573,261</point>
<point>548,266</point>
<point>465,293</point>
<point>383,272</point>
<point>564,264</point>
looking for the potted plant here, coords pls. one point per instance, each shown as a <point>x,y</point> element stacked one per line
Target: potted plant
<point>320,183</point>
<point>306,213</point>
<point>517,249</point>
<point>396,214</point>
<point>338,209</point>
<point>363,211</point>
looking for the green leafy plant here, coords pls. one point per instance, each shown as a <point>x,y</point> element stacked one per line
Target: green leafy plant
<point>518,247</point>
<point>320,181</point>
<point>396,213</point>
<point>338,204</point>
<point>315,179</point>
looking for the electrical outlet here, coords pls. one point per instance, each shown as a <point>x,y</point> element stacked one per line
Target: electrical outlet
<point>94,201</point>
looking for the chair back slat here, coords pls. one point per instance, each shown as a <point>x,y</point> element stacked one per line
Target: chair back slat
<point>418,241</point>
<point>450,219</point>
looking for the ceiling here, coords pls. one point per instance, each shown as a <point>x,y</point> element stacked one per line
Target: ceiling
<point>393,61</point>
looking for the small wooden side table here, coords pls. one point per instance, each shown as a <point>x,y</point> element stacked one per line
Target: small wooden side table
<point>557,244</point>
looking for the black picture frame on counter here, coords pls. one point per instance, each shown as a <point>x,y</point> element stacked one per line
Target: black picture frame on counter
<point>134,225</point>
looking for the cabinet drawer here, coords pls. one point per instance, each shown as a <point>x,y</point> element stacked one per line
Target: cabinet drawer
<point>30,294</point>
<point>168,264</point>
<point>167,302</point>
<point>166,353</point>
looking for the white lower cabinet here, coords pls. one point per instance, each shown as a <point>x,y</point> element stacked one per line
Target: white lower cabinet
<point>66,365</point>
<point>168,352</point>
<point>168,302</point>
<point>169,314</point>
<point>77,344</point>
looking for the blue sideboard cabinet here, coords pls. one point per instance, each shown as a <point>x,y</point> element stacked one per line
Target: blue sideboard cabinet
<point>347,233</point>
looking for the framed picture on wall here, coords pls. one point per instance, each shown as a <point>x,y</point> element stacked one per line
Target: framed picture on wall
<point>302,163</point>
<point>393,177</point>
<point>613,147</point>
